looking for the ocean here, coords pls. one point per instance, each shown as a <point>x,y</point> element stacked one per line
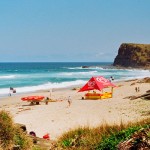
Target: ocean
<point>30,77</point>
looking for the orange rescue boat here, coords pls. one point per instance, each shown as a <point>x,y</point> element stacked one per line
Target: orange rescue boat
<point>33,99</point>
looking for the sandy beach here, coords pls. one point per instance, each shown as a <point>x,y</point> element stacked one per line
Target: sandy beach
<point>57,118</point>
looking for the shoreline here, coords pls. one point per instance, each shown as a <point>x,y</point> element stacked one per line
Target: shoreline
<point>59,88</point>
<point>24,85</point>
<point>57,117</point>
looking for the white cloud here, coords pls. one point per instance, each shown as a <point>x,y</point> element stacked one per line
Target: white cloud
<point>100,54</point>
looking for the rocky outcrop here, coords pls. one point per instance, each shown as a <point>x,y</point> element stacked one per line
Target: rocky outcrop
<point>85,66</point>
<point>133,55</point>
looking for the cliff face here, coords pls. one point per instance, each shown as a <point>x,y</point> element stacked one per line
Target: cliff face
<point>133,55</point>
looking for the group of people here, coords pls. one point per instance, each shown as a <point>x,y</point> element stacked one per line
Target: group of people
<point>137,89</point>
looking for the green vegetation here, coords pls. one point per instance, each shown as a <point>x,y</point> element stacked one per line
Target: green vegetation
<point>11,135</point>
<point>6,130</point>
<point>35,147</point>
<point>105,137</point>
<point>116,137</point>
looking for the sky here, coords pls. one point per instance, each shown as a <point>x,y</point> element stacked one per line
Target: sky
<point>70,30</point>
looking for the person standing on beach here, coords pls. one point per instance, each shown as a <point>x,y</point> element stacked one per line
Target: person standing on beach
<point>136,89</point>
<point>69,101</point>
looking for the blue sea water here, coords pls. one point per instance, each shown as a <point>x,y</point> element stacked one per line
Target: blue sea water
<point>29,77</point>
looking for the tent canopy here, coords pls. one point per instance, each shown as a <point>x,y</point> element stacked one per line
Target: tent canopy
<point>96,83</point>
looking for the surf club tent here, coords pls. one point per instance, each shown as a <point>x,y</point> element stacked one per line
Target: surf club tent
<point>97,83</point>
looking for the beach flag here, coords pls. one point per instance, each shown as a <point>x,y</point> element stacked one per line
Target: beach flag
<point>96,83</point>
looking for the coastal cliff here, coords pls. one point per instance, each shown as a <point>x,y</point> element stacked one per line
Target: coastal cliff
<point>133,55</point>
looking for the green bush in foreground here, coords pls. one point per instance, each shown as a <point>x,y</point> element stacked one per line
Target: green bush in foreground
<point>115,138</point>
<point>11,135</point>
<point>105,137</point>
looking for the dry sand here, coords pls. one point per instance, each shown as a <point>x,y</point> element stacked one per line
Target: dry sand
<point>57,118</point>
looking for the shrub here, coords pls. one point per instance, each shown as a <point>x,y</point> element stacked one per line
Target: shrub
<point>115,138</point>
<point>21,139</point>
<point>11,135</point>
<point>6,130</point>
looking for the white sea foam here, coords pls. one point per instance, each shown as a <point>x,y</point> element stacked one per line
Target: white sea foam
<point>24,79</point>
<point>74,68</point>
<point>5,91</point>
<point>88,68</point>
<point>77,74</point>
<point>8,77</point>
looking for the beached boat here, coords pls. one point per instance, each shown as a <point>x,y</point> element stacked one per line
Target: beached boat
<point>33,99</point>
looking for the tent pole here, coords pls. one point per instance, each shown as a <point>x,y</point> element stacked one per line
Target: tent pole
<point>112,91</point>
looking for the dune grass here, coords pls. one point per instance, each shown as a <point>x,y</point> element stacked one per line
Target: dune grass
<point>11,135</point>
<point>104,137</point>
<point>6,130</point>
